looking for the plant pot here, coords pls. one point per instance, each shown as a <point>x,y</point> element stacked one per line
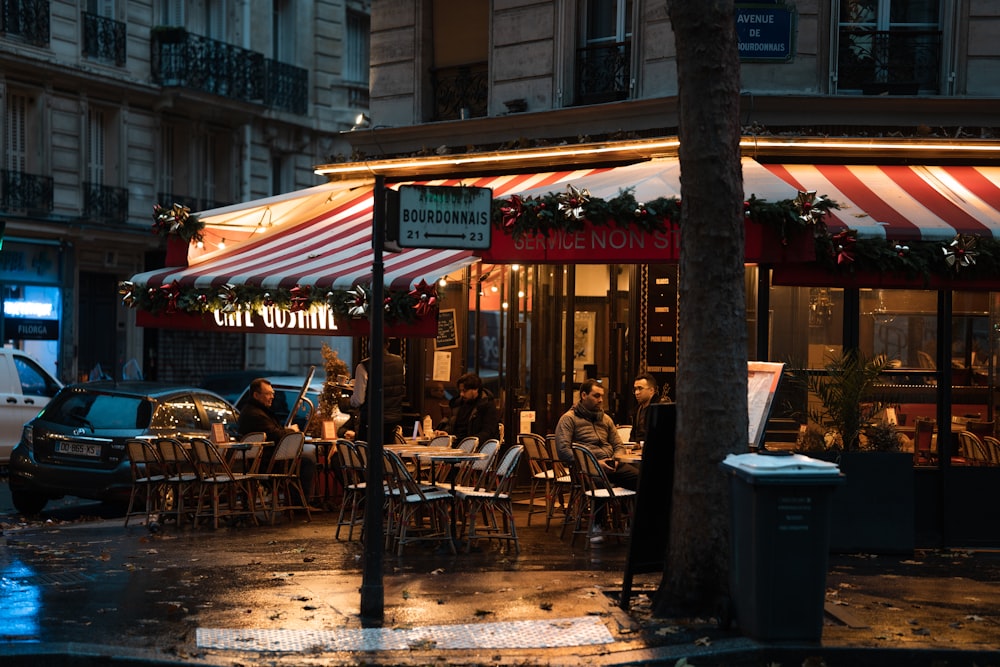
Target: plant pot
<point>873,511</point>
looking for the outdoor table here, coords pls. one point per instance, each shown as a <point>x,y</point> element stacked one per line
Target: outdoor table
<point>242,448</point>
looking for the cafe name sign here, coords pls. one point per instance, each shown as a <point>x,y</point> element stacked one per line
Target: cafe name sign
<point>318,320</point>
<point>592,244</point>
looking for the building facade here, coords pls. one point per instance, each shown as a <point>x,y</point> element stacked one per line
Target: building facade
<point>885,84</point>
<point>109,108</point>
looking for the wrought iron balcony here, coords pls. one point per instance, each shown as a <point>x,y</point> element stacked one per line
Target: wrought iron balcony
<point>105,203</point>
<point>286,87</point>
<point>183,60</point>
<point>889,61</point>
<point>603,73</point>
<point>103,38</point>
<point>25,193</point>
<point>460,92</point>
<point>28,19</point>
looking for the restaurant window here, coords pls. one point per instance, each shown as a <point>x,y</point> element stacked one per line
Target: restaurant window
<point>805,326</point>
<point>603,59</point>
<point>889,47</point>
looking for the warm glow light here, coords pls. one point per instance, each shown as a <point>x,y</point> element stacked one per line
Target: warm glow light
<point>494,289</point>
<point>515,267</point>
<point>504,305</point>
<point>222,244</point>
<point>443,282</point>
<point>520,294</point>
<point>200,245</point>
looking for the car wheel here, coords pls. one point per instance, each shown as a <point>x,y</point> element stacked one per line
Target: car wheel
<point>28,503</point>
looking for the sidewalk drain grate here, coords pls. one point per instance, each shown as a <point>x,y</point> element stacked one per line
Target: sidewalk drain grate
<point>553,633</point>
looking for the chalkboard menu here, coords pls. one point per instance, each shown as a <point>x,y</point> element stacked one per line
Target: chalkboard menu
<point>447,337</point>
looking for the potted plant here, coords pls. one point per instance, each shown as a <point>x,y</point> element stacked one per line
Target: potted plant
<point>873,511</point>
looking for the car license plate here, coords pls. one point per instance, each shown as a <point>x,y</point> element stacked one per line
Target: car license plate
<point>78,449</point>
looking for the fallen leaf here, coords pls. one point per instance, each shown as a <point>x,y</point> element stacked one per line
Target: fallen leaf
<point>668,630</point>
<point>923,632</point>
<point>703,641</point>
<point>482,612</point>
<point>974,617</point>
<point>547,606</point>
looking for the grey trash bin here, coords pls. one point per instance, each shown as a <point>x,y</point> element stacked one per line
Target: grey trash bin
<point>779,543</point>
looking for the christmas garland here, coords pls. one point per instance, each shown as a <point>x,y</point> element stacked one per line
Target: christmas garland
<point>177,221</point>
<point>964,256</point>
<point>399,307</point>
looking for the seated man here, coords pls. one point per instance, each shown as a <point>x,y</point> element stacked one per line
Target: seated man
<point>587,424</point>
<point>473,411</point>
<point>257,416</point>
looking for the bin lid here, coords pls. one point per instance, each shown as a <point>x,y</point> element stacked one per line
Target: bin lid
<point>787,466</point>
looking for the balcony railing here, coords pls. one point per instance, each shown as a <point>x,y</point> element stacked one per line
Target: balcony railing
<point>21,192</point>
<point>460,92</point>
<point>286,87</point>
<point>193,203</point>
<point>105,203</point>
<point>603,73</point>
<point>877,62</point>
<point>183,60</point>
<point>28,19</point>
<point>103,38</point>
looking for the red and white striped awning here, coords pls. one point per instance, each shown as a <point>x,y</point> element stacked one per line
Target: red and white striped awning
<point>321,238</point>
<point>903,202</point>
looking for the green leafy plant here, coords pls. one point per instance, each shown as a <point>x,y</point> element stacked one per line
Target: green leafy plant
<point>848,397</point>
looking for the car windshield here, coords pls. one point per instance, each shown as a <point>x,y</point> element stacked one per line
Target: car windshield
<point>99,411</point>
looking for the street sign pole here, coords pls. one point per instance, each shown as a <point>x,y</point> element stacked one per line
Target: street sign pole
<point>372,589</point>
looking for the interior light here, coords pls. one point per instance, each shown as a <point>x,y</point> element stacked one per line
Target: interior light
<point>504,305</point>
<point>200,245</point>
<point>222,244</point>
<point>520,294</point>
<point>494,289</point>
<point>515,267</point>
<point>443,282</point>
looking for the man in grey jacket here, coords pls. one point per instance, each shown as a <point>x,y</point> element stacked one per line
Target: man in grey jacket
<point>587,424</point>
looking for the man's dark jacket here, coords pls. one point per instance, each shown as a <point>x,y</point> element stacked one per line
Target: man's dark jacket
<point>478,418</point>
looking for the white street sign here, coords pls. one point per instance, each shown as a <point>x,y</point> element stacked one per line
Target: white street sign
<point>438,216</point>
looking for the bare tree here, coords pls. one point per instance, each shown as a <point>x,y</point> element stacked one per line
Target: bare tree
<point>712,339</point>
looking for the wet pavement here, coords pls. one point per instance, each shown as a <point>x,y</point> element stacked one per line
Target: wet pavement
<point>76,587</point>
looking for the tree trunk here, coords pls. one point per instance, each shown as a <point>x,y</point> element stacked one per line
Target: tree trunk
<point>712,339</point>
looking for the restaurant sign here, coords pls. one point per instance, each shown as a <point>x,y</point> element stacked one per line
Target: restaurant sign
<point>600,244</point>
<point>318,321</point>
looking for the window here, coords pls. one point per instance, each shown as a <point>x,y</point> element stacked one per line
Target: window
<point>283,31</point>
<point>172,12</point>
<point>603,62</point>
<point>15,133</point>
<point>356,50</point>
<point>889,46</point>
<point>95,146</point>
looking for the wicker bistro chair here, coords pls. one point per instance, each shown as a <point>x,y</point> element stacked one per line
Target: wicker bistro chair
<point>148,479</point>
<point>542,473</point>
<point>598,494</point>
<point>471,473</point>
<point>492,501</point>
<point>972,449</point>
<point>253,455</point>
<point>414,513</point>
<point>181,483</point>
<point>352,504</point>
<point>281,482</point>
<point>221,492</point>
<point>992,446</point>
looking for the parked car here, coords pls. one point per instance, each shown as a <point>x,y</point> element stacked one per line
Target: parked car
<point>76,445</point>
<point>25,388</point>
<point>230,384</point>
<point>286,391</point>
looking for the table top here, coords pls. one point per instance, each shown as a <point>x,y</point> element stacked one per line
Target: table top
<point>450,455</point>
<point>634,457</point>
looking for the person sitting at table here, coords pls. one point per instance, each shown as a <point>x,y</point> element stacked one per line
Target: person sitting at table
<point>646,393</point>
<point>257,416</point>
<point>473,411</point>
<point>588,425</point>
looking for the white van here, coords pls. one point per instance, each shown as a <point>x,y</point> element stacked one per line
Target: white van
<point>25,388</point>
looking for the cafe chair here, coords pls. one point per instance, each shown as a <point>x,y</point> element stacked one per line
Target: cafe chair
<point>222,494</point>
<point>492,501</point>
<point>992,446</point>
<point>148,479</point>
<point>923,442</point>
<point>980,428</point>
<point>440,441</point>
<point>468,444</point>
<point>281,482</point>
<point>353,471</point>
<point>252,455</point>
<point>971,448</point>
<point>470,474</point>
<point>599,496</point>
<point>542,473</point>
<point>180,485</point>
<point>414,513</point>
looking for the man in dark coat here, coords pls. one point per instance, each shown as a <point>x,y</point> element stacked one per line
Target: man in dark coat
<point>257,416</point>
<point>646,393</point>
<point>393,394</point>
<point>473,411</point>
